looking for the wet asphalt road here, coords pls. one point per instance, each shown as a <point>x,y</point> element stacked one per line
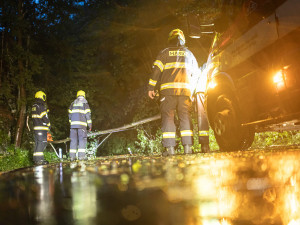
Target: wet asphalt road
<point>251,187</point>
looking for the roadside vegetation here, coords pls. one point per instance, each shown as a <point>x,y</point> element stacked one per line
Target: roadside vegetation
<point>146,143</point>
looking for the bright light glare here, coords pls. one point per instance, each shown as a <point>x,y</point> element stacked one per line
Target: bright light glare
<point>201,85</point>
<point>278,77</point>
<point>194,36</point>
<point>294,222</point>
<point>224,222</point>
<point>212,84</point>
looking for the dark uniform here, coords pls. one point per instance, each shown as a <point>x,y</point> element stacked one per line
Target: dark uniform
<point>41,125</point>
<point>173,70</point>
<point>80,119</point>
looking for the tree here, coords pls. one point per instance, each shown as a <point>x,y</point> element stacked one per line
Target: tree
<point>14,59</point>
<point>103,47</point>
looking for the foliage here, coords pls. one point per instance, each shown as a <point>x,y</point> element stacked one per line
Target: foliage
<point>268,139</point>
<point>212,141</point>
<point>118,143</point>
<point>93,144</point>
<point>51,156</point>
<point>147,143</point>
<point>4,141</point>
<point>15,158</point>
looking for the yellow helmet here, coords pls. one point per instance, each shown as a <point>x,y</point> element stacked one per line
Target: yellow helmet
<point>80,93</point>
<point>41,95</point>
<point>177,33</point>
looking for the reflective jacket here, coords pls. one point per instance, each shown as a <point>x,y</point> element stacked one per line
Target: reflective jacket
<point>40,116</point>
<point>80,114</point>
<point>174,71</point>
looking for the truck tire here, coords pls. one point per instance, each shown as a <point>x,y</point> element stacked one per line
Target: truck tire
<point>229,133</point>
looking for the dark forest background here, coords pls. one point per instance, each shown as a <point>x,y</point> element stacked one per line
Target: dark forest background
<point>105,48</point>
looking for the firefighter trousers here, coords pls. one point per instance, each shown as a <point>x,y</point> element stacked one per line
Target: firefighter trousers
<point>169,105</point>
<point>40,139</point>
<point>78,142</point>
<point>203,126</point>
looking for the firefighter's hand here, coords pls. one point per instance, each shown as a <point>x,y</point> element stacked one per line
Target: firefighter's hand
<point>151,94</point>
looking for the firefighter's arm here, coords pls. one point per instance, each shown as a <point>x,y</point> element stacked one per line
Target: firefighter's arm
<point>34,111</point>
<point>45,117</point>
<point>70,112</point>
<point>88,116</point>
<point>153,79</point>
<point>157,69</point>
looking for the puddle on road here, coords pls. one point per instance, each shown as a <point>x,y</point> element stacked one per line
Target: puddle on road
<point>253,187</point>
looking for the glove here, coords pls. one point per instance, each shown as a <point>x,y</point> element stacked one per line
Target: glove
<point>49,137</point>
<point>90,128</point>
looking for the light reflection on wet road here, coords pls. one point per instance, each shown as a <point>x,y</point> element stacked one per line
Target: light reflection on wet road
<point>252,187</point>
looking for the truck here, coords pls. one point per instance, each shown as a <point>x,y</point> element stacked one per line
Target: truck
<point>253,72</point>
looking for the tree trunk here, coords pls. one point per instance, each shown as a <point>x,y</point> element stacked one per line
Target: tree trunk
<point>21,86</point>
<point>1,60</point>
<point>115,130</point>
<point>21,117</point>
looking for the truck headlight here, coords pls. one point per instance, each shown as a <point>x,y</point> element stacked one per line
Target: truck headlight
<point>279,79</point>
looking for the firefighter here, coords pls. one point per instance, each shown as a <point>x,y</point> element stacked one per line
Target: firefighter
<point>41,126</point>
<point>203,126</point>
<point>174,70</point>
<point>80,120</point>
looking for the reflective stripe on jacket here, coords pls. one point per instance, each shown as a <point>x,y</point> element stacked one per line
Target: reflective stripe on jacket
<point>40,116</point>
<point>176,71</point>
<point>80,114</point>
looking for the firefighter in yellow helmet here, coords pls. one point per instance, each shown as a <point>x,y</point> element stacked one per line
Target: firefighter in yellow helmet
<point>80,120</point>
<point>172,74</point>
<point>41,126</point>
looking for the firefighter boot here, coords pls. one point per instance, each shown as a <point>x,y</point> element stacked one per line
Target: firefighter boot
<point>205,148</point>
<point>170,151</point>
<point>187,149</point>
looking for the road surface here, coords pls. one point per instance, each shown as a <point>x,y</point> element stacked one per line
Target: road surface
<point>250,187</point>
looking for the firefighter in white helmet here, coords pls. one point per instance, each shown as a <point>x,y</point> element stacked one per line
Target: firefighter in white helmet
<point>172,74</point>
<point>41,126</point>
<point>80,120</point>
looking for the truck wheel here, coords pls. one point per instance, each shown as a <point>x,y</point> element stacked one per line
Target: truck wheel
<point>248,138</point>
<point>227,127</point>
